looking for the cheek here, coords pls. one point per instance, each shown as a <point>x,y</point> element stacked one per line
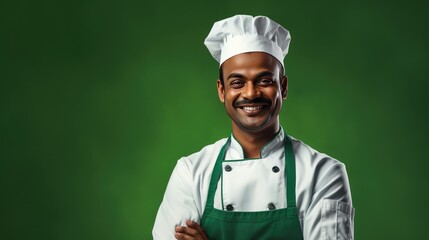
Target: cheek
<point>277,99</point>
<point>273,94</point>
<point>231,95</point>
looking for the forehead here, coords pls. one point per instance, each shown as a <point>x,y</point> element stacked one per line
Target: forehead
<point>252,62</point>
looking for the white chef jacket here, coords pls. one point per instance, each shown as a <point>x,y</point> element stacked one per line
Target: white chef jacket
<point>323,196</point>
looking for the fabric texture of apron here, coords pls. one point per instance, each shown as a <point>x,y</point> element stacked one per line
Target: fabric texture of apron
<point>261,225</point>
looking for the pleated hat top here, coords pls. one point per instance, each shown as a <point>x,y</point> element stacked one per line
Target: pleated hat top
<point>245,33</point>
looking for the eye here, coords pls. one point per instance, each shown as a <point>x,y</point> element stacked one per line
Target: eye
<point>265,82</point>
<point>236,84</point>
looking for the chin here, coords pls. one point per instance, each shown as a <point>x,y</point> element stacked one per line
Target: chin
<point>254,127</point>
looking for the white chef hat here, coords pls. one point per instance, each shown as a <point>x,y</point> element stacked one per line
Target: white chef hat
<point>245,33</point>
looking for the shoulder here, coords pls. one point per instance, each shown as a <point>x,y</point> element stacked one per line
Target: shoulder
<point>316,170</point>
<point>313,159</point>
<point>319,175</point>
<point>205,151</point>
<point>203,159</point>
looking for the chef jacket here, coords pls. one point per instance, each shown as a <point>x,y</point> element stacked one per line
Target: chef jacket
<point>323,196</point>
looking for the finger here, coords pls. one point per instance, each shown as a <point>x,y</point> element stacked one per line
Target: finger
<point>188,231</point>
<point>182,236</point>
<point>194,225</point>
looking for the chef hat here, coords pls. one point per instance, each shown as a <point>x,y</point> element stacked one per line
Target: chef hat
<point>244,33</point>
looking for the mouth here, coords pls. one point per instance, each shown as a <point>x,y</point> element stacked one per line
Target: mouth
<point>254,106</point>
<point>254,109</point>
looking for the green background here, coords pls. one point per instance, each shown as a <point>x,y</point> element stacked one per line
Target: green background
<point>100,98</point>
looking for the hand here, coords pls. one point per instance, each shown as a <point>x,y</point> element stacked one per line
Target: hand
<point>193,231</point>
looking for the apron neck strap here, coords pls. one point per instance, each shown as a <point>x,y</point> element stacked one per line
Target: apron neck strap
<point>290,172</point>
<point>216,173</point>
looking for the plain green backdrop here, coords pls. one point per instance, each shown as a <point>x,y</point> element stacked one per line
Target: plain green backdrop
<point>100,98</point>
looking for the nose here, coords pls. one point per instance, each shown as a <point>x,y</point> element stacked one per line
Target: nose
<point>250,91</point>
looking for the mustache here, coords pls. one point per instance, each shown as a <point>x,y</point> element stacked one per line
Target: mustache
<point>253,101</point>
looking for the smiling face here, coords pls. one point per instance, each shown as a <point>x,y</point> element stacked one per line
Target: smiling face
<point>253,90</point>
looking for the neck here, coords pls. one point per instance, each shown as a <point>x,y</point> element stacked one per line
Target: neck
<point>252,142</point>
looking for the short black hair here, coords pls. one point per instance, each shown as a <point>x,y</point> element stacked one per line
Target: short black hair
<point>221,75</point>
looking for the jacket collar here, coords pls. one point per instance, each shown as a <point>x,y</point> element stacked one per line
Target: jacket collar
<point>235,150</point>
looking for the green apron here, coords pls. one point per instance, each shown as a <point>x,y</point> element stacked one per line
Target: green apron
<point>234,225</point>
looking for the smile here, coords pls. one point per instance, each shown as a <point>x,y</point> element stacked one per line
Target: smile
<point>252,109</point>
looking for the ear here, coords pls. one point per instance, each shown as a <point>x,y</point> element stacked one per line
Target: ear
<point>221,91</point>
<point>284,87</point>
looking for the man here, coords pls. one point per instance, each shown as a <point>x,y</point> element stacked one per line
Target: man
<point>259,183</point>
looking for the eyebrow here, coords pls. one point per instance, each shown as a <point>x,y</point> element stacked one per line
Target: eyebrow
<point>235,75</point>
<point>264,74</point>
<point>260,75</point>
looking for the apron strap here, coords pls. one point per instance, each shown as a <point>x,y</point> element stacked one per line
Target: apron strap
<point>290,172</point>
<point>217,170</point>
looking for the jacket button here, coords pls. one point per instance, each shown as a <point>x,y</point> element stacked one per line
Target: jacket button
<point>228,168</point>
<point>276,169</point>
<point>271,206</point>
<point>229,207</point>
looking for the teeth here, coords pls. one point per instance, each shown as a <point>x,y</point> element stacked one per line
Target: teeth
<point>253,108</point>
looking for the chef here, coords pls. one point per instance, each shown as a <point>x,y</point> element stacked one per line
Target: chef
<point>259,183</point>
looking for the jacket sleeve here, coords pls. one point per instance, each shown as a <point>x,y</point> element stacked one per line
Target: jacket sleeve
<point>330,214</point>
<point>178,204</point>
